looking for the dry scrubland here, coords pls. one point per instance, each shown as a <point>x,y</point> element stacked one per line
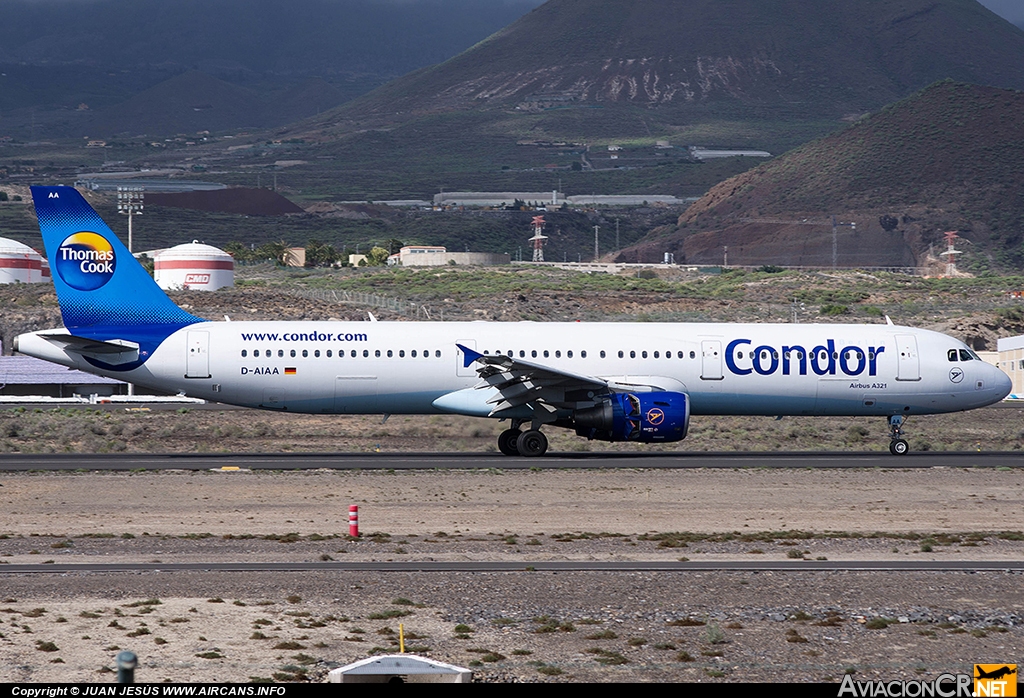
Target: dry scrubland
<point>525,625</point>
<point>111,429</point>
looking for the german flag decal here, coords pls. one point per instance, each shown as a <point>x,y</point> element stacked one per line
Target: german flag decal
<point>289,370</point>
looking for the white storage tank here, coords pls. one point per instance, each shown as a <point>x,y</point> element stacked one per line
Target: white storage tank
<point>20,263</point>
<point>194,266</point>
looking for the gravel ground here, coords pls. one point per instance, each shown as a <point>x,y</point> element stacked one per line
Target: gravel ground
<point>522,626</point>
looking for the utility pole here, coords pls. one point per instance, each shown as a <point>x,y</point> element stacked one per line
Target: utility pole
<point>597,254</point>
<point>129,201</point>
<point>617,248</point>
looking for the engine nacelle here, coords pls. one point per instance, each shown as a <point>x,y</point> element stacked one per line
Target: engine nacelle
<point>643,417</point>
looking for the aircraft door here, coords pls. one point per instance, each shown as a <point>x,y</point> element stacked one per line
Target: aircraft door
<point>909,366</point>
<point>460,369</point>
<point>711,359</point>
<point>355,394</point>
<point>197,360</point>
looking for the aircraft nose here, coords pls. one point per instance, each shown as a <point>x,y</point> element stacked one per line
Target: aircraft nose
<point>1001,383</point>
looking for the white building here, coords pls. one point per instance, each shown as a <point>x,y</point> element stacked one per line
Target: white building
<point>1011,360</point>
<point>194,266</point>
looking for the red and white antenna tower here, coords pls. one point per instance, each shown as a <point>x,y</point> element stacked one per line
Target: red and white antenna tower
<point>538,238</point>
<point>950,252</point>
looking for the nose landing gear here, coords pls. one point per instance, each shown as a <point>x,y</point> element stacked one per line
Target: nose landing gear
<point>898,446</point>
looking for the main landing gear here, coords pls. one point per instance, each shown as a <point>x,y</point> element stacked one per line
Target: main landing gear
<point>898,446</point>
<point>529,443</point>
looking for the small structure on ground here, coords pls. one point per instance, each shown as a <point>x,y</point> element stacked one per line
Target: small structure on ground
<point>19,263</point>
<point>399,668</point>
<point>194,266</point>
<point>435,256</point>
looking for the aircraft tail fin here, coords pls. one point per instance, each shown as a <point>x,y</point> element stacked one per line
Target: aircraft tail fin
<point>103,291</point>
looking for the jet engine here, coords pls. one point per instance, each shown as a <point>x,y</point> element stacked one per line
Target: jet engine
<point>643,417</point>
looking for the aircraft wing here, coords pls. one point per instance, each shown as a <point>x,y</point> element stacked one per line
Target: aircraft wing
<point>516,383</point>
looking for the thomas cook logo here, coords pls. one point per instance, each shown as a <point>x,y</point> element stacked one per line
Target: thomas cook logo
<point>85,261</point>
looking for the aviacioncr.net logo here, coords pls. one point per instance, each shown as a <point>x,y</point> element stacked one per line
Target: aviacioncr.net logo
<point>85,261</point>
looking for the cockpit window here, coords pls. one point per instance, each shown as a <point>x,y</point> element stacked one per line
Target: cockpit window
<point>951,354</point>
<point>966,355</point>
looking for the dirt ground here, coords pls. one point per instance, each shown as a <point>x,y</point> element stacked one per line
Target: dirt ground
<point>515,626</point>
<point>114,429</point>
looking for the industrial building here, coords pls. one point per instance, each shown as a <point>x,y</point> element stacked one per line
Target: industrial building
<point>434,256</point>
<point>1011,360</point>
<point>193,266</point>
<point>19,263</point>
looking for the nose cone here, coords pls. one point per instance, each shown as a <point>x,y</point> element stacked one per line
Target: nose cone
<point>1001,384</point>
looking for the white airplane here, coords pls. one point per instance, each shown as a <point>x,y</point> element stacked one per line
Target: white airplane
<point>637,382</point>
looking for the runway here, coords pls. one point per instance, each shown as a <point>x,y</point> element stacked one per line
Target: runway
<point>531,566</point>
<point>18,462</point>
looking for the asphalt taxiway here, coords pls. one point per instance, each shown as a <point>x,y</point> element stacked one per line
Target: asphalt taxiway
<point>18,462</point>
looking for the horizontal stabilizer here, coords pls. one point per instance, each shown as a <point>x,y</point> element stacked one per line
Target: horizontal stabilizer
<point>82,345</point>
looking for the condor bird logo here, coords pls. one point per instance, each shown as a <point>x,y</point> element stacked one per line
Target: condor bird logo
<point>655,416</point>
<point>85,261</point>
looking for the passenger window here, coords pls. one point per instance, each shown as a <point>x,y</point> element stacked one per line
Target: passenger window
<point>569,353</point>
<point>602,353</point>
<point>329,353</point>
<point>558,353</point>
<point>316,354</point>
<point>244,353</point>
<point>293,353</point>
<point>376,353</point>
<point>437,353</point>
<point>401,353</point>
<point>533,353</point>
<point>390,354</point>
<point>632,354</point>
<point>522,354</point>
<point>305,353</point>
<point>353,353</point>
<point>366,353</point>
<point>693,355</point>
<point>583,354</point>
<point>657,355</point>
<point>280,353</point>
<point>256,353</point>
<point>965,355</point>
<point>643,354</point>
<point>545,353</point>
<point>620,353</point>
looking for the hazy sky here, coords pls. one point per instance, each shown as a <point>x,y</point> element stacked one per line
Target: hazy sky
<point>1012,10</point>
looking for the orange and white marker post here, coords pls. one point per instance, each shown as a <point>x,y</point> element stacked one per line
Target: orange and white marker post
<point>353,520</point>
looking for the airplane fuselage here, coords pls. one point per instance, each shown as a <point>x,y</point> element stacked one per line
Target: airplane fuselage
<point>406,367</point>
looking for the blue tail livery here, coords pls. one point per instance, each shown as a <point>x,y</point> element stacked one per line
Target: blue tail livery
<point>104,293</point>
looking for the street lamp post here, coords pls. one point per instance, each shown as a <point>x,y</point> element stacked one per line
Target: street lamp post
<point>129,201</point>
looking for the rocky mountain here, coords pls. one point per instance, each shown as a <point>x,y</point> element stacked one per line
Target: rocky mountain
<point>946,158</point>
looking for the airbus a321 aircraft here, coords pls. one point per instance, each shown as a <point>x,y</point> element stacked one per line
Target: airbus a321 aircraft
<point>637,382</point>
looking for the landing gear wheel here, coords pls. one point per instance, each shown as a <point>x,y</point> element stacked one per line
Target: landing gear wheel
<point>532,443</point>
<point>899,447</point>
<point>507,441</point>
